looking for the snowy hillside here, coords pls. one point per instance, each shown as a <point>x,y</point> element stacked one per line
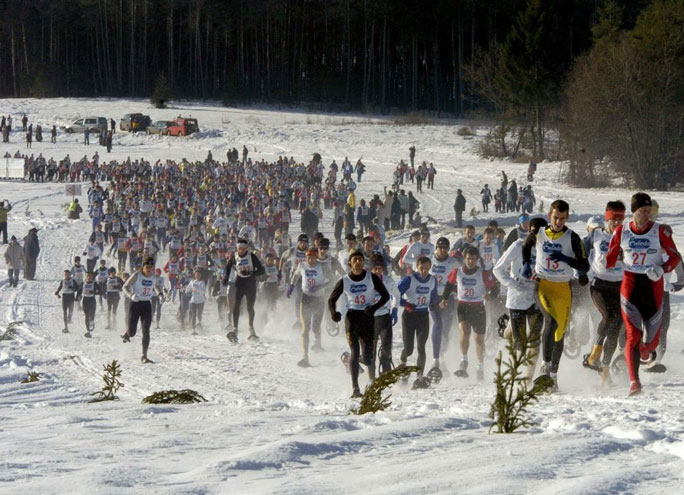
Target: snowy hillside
<point>270,426</point>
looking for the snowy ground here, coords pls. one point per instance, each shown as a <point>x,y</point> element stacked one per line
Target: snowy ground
<point>269,426</point>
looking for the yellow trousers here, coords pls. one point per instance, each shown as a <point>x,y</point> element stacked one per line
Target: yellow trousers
<point>556,300</point>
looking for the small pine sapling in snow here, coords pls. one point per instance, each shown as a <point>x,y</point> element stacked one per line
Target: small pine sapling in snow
<point>514,393</point>
<point>33,376</point>
<point>372,400</point>
<point>185,396</point>
<point>112,383</point>
<point>11,332</point>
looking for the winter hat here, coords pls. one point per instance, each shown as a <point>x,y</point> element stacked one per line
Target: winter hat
<point>594,222</point>
<point>303,238</point>
<point>639,200</point>
<point>13,238</point>
<point>443,242</point>
<point>354,254</point>
<point>537,223</point>
<point>523,218</point>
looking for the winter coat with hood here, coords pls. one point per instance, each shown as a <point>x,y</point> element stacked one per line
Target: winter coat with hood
<point>14,256</point>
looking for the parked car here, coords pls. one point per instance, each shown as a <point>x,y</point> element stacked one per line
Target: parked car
<point>183,127</point>
<point>159,127</point>
<point>135,122</point>
<point>95,124</point>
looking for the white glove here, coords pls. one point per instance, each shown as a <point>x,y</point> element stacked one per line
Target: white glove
<point>135,298</point>
<point>670,287</point>
<point>655,272</point>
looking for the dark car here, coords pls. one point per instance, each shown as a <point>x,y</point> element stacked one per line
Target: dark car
<point>159,127</point>
<point>135,122</point>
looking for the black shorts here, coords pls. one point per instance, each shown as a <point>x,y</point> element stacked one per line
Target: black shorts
<point>474,314</point>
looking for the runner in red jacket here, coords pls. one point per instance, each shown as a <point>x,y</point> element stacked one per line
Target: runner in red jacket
<point>648,251</point>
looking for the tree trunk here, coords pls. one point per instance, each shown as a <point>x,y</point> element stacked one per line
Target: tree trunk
<point>131,53</point>
<point>144,80</point>
<point>539,114</point>
<point>414,72</point>
<point>14,63</point>
<point>347,48</point>
<point>383,69</point>
<point>461,90</point>
<point>169,47</point>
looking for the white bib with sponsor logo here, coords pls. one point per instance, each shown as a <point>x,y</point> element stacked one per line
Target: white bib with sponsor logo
<point>641,251</point>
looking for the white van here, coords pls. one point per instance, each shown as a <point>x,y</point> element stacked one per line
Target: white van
<point>95,124</point>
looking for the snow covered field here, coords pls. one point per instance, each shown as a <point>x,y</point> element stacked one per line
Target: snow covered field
<point>269,426</point>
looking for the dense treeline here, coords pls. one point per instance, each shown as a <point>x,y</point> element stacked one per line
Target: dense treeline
<point>359,54</point>
<point>607,76</point>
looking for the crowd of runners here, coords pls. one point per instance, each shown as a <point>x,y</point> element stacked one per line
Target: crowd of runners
<point>172,237</point>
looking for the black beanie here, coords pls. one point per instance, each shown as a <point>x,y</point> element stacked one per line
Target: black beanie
<point>639,200</point>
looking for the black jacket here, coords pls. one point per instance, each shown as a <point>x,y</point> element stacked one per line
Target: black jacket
<point>31,245</point>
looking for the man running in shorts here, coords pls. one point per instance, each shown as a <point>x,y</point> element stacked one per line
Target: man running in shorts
<point>605,291</point>
<point>473,286</point>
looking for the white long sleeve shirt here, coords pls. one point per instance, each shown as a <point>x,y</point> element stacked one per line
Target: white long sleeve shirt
<point>507,270</point>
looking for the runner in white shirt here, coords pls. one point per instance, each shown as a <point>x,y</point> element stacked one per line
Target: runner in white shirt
<point>197,289</point>
<point>139,288</point>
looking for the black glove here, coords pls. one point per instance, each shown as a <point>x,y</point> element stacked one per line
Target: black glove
<point>337,316</point>
<point>583,279</point>
<point>369,311</point>
<point>527,270</point>
<point>560,257</point>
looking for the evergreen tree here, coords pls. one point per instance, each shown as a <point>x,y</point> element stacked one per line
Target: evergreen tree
<point>535,57</point>
<point>160,95</point>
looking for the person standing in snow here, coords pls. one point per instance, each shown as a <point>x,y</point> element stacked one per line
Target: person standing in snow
<point>14,257</point>
<point>5,208</point>
<point>31,251</point>
<point>459,207</point>
<point>486,197</point>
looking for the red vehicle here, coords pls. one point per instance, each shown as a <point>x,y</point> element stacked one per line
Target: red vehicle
<point>183,127</point>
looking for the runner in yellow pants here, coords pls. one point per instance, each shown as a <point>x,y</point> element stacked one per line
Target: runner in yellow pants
<point>554,253</point>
